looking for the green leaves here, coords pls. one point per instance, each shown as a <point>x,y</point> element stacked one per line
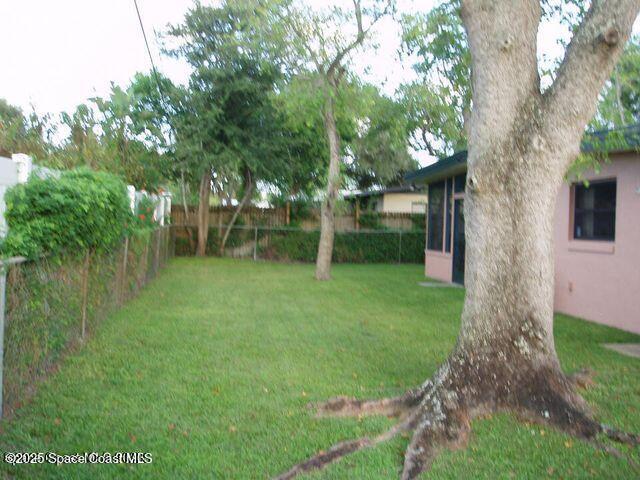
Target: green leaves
<point>619,104</point>
<point>20,133</point>
<point>380,145</point>
<point>78,211</point>
<point>437,103</point>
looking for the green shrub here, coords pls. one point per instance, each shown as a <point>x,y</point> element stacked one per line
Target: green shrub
<point>419,222</point>
<point>80,210</point>
<point>349,247</point>
<point>302,245</point>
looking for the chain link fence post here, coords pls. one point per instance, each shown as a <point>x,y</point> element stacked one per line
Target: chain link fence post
<point>3,290</point>
<point>145,262</point>
<point>123,283</point>
<point>156,253</point>
<point>85,293</point>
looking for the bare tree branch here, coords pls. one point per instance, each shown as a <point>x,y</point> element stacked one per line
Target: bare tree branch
<point>360,36</point>
<point>423,133</point>
<point>291,21</point>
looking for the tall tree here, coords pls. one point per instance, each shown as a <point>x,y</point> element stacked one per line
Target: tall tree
<point>521,142</point>
<point>322,42</point>
<point>107,134</point>
<point>230,90</point>
<point>19,133</point>
<point>83,145</point>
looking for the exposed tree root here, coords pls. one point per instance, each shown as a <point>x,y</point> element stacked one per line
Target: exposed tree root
<point>616,453</point>
<point>440,411</point>
<point>620,437</point>
<point>352,407</point>
<point>342,449</point>
<point>432,434</point>
<point>583,378</point>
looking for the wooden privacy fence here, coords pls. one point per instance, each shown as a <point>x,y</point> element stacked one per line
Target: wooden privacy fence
<point>219,217</point>
<point>49,305</point>
<point>347,223</point>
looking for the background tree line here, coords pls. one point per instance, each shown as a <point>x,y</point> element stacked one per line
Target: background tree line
<point>273,103</point>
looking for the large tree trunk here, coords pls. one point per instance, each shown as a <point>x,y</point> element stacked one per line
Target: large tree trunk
<point>327,213</point>
<point>203,212</point>
<point>521,143</point>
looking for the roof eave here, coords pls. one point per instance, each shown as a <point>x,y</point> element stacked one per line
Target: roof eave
<point>441,175</point>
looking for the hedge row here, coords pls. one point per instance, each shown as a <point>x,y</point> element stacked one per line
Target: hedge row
<point>349,247</point>
<point>302,246</point>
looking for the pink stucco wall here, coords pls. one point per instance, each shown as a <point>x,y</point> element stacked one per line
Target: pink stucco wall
<point>438,265</point>
<point>596,280</point>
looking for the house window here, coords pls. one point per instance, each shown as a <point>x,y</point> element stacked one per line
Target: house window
<point>594,217</point>
<point>436,216</point>
<point>459,183</point>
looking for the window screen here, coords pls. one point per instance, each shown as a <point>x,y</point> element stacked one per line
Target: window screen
<point>594,217</point>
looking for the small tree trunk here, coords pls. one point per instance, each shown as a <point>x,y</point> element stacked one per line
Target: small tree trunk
<point>245,198</point>
<point>203,213</point>
<point>187,230</point>
<point>220,210</point>
<point>327,214</point>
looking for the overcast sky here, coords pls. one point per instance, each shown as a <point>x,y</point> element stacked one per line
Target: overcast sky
<point>55,54</point>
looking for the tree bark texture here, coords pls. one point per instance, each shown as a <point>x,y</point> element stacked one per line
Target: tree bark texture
<point>327,211</point>
<point>203,212</point>
<point>521,142</point>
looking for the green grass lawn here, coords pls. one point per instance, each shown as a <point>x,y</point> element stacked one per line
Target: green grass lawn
<point>211,367</point>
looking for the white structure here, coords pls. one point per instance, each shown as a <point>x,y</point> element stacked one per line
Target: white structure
<point>161,202</point>
<point>400,199</point>
<point>10,174</point>
<point>24,166</point>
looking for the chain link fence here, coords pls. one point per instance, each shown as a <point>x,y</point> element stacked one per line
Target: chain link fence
<point>301,245</point>
<point>52,304</point>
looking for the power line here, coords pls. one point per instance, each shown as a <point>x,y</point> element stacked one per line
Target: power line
<point>146,42</point>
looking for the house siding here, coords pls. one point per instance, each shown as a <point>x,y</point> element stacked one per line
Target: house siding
<point>594,280</point>
<point>599,280</point>
<point>438,265</point>
<point>402,202</point>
